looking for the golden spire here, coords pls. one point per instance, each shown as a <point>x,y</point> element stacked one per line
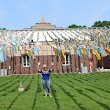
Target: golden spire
<point>43,19</point>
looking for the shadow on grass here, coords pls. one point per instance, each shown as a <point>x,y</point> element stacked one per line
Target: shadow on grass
<point>89,83</point>
<point>70,96</point>
<point>4,94</point>
<point>55,97</point>
<point>95,93</point>
<point>37,91</point>
<point>8,81</point>
<point>81,92</point>
<point>28,87</point>
<point>17,95</point>
<point>101,104</point>
<point>87,89</point>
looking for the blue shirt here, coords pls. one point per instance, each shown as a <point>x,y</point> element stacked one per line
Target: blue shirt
<point>44,75</point>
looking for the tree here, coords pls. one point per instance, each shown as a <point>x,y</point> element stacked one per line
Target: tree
<point>76,26</point>
<point>101,24</point>
<point>3,29</point>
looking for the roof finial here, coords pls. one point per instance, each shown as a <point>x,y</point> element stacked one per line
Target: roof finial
<point>43,19</point>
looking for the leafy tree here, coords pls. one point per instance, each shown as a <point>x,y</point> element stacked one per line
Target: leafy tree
<point>76,26</point>
<point>101,24</point>
<point>3,29</point>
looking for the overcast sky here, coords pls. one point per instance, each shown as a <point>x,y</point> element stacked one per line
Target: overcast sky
<point>19,14</point>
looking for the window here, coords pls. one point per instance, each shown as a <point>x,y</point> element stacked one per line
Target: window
<point>26,61</point>
<point>67,60</point>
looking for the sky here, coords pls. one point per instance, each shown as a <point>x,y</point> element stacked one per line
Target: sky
<point>20,14</point>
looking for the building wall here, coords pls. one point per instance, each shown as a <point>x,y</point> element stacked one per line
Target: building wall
<point>74,67</point>
<point>46,56</point>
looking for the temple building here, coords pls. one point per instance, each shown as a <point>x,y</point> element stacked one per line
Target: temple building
<point>43,25</point>
<point>47,37</point>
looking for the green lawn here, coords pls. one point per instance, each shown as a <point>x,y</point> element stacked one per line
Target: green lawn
<point>69,92</point>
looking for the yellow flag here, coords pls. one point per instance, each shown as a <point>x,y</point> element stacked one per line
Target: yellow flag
<point>62,56</point>
<point>16,48</point>
<point>84,52</point>
<point>56,52</point>
<point>29,53</point>
<point>97,54</point>
<point>6,51</point>
<point>20,47</point>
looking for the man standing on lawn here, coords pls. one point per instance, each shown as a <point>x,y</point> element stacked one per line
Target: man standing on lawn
<point>45,79</point>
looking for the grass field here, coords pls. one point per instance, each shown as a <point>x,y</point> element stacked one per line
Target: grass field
<point>69,92</point>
